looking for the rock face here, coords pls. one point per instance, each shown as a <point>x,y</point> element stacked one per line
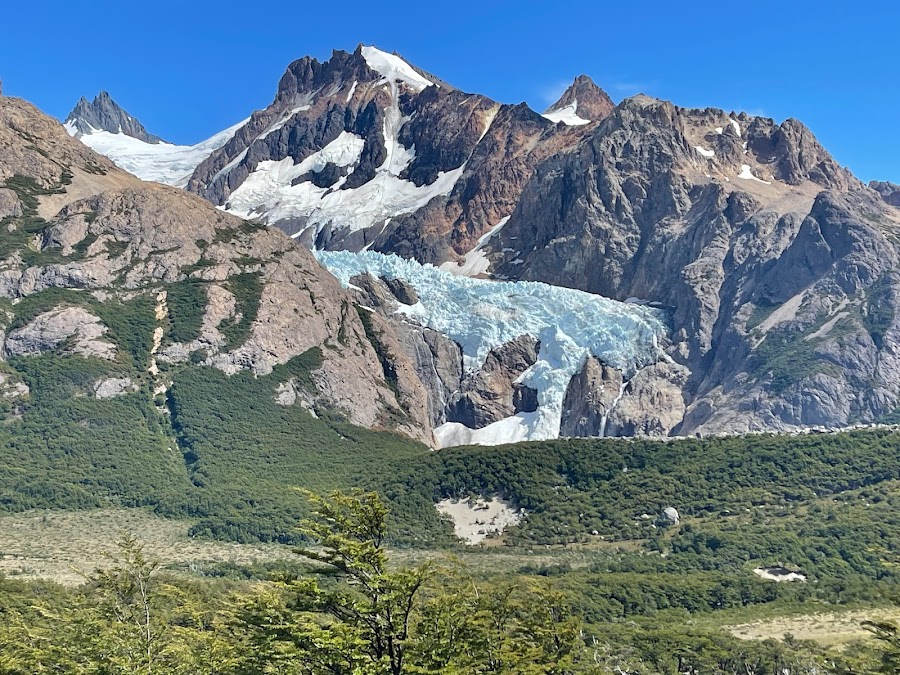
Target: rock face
<point>114,386</point>
<point>448,166</point>
<point>104,114</point>
<point>71,329</point>
<point>10,206</point>
<point>111,238</point>
<point>592,394</point>
<point>492,393</point>
<point>890,192</point>
<point>772,259</point>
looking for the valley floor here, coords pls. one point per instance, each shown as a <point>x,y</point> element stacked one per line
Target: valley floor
<point>65,546</point>
<point>829,629</point>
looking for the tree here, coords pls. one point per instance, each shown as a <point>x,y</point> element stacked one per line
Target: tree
<point>889,636</point>
<point>360,616</point>
<point>372,607</point>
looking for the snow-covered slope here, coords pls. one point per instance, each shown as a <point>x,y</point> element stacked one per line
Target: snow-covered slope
<point>568,115</point>
<point>158,162</point>
<point>394,68</point>
<point>481,315</point>
<point>272,193</point>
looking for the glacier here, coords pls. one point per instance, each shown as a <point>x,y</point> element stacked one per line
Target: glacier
<point>158,162</point>
<point>482,314</point>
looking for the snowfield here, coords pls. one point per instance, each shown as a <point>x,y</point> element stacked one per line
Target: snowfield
<point>394,68</point>
<point>268,194</point>
<point>481,315</point>
<point>157,162</point>
<point>568,115</point>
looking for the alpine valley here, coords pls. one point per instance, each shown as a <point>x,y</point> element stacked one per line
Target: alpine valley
<point>610,388</point>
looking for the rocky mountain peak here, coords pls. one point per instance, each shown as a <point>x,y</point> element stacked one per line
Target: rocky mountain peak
<point>104,114</point>
<point>890,192</point>
<point>307,78</point>
<point>581,103</point>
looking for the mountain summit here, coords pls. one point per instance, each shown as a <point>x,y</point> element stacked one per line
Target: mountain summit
<point>582,103</point>
<point>104,114</point>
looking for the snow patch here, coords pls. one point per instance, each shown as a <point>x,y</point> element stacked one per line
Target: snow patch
<point>284,119</point>
<point>481,315</point>
<point>394,68</point>
<point>737,127</point>
<point>703,151</point>
<point>474,521</point>
<point>747,174</point>
<point>475,262</point>
<point>157,162</point>
<point>225,170</point>
<point>352,91</point>
<point>514,429</point>
<point>269,195</point>
<point>568,115</point>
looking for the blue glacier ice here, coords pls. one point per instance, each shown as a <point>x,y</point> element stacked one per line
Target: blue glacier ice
<point>481,314</point>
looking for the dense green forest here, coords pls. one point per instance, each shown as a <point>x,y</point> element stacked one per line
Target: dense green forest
<point>342,608</point>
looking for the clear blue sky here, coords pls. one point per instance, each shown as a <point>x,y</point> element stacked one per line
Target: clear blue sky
<point>188,69</point>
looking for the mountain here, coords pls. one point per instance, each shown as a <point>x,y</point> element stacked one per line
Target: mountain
<point>365,151</point>
<point>104,114</point>
<point>81,237</point>
<point>771,265</point>
<point>582,103</point>
<point>104,126</point>
<point>776,265</point>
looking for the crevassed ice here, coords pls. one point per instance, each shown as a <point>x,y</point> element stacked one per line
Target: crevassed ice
<point>482,314</point>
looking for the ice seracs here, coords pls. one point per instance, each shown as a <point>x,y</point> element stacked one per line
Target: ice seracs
<point>481,315</point>
<point>158,162</point>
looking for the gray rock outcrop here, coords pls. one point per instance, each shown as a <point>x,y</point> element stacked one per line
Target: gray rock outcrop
<point>10,206</point>
<point>111,387</point>
<point>73,330</point>
<point>104,114</point>
<point>492,393</point>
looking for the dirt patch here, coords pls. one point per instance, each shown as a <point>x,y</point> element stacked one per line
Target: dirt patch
<point>474,521</point>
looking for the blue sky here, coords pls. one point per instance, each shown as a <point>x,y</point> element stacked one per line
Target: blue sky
<point>188,69</point>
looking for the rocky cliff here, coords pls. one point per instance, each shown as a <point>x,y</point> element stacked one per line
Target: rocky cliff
<point>365,151</point>
<point>80,237</point>
<point>776,265</point>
